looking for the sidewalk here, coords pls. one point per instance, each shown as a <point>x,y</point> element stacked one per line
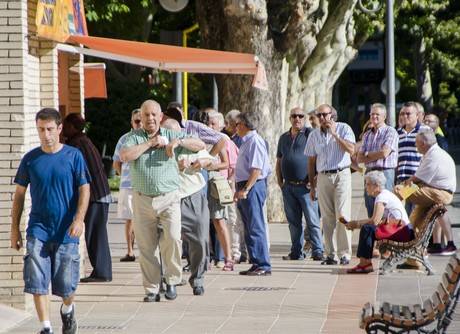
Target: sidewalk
<point>299,295</point>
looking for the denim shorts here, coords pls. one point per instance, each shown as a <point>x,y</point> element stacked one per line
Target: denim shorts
<point>51,262</point>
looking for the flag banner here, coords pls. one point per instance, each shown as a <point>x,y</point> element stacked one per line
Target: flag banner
<point>58,19</point>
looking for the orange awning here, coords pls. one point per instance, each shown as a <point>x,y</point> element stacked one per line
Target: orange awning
<point>170,58</point>
<point>95,85</point>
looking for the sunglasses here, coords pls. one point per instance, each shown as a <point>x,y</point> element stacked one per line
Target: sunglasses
<point>137,121</point>
<point>323,114</point>
<point>297,115</point>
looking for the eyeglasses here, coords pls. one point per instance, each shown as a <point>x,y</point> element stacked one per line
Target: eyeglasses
<point>297,115</point>
<point>407,113</point>
<point>137,121</point>
<point>324,114</point>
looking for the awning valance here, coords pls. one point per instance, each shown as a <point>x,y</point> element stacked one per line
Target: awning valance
<point>169,58</point>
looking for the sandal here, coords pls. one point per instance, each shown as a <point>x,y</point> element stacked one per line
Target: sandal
<point>361,269</point>
<point>228,266</point>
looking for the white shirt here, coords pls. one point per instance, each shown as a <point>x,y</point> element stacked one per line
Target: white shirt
<point>393,206</point>
<point>437,169</point>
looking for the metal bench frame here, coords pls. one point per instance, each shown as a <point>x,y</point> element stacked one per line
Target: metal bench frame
<point>414,249</point>
<point>439,309</point>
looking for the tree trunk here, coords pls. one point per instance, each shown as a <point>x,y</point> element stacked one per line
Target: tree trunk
<point>422,74</point>
<point>304,46</point>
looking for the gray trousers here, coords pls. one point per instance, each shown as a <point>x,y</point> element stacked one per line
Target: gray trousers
<point>195,230</point>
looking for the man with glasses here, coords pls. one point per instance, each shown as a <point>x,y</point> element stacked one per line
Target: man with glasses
<point>408,156</point>
<point>379,150</point>
<point>329,150</point>
<point>125,195</point>
<point>292,176</point>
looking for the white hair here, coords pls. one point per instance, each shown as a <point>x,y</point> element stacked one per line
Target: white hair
<point>428,137</point>
<point>376,178</point>
<point>231,115</point>
<point>218,116</point>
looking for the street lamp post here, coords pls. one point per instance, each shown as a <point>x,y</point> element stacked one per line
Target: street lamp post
<point>389,55</point>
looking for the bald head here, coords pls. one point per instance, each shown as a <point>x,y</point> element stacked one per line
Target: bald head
<point>151,116</point>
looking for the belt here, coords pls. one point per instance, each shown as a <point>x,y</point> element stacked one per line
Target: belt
<point>241,184</point>
<point>334,171</point>
<point>151,196</point>
<point>297,183</point>
<point>380,169</point>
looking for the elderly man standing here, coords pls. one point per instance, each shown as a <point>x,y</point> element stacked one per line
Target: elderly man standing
<point>251,172</point>
<point>156,202</point>
<point>292,176</point>
<point>379,151</point>
<point>329,149</point>
<point>436,179</point>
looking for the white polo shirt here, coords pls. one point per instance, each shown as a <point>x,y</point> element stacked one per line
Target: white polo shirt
<point>437,169</point>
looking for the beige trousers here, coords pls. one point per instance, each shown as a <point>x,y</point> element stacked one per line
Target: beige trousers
<point>149,214</point>
<point>334,198</point>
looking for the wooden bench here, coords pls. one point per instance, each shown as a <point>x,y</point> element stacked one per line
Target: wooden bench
<point>434,316</point>
<point>414,249</point>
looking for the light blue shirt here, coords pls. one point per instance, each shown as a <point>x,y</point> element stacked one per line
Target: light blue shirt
<point>253,154</point>
<point>125,178</point>
<point>329,154</point>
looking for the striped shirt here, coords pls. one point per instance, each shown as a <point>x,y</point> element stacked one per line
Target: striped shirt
<point>408,156</point>
<point>154,173</point>
<point>374,141</point>
<point>327,150</point>
<point>125,179</point>
<point>199,130</point>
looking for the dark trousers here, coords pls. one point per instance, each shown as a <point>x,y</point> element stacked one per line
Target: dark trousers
<point>195,231</point>
<point>251,210</point>
<point>367,239</point>
<point>97,241</point>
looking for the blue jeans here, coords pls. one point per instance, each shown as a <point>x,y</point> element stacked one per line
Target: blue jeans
<point>297,201</point>
<point>51,262</point>
<point>389,185</point>
<point>255,235</point>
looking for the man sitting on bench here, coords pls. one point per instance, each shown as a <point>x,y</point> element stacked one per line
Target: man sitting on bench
<point>436,179</point>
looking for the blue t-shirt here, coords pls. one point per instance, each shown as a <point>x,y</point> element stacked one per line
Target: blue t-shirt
<point>54,180</point>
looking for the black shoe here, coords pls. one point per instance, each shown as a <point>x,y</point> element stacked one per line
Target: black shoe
<point>245,272</point>
<point>152,297</point>
<point>170,293</point>
<point>186,268</point>
<point>290,257</point>
<point>318,257</point>
<point>92,279</point>
<point>198,291</point>
<point>69,323</point>
<point>344,261</point>
<point>259,272</point>
<point>128,258</point>
<point>329,261</point>
<point>46,331</point>
<point>407,266</point>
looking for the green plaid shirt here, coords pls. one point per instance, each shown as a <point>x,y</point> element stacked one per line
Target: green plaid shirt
<point>153,173</point>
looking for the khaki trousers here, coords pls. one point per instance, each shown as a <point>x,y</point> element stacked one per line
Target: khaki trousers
<point>334,197</point>
<point>424,198</point>
<point>149,214</point>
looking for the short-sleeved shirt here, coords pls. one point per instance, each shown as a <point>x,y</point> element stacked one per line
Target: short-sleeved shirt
<point>153,173</point>
<point>54,180</point>
<point>437,169</point>
<point>294,163</point>
<point>329,154</point>
<point>253,155</point>
<point>375,140</point>
<point>125,178</point>
<point>393,206</point>
<point>408,156</point>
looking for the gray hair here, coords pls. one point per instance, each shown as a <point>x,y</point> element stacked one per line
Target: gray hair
<point>217,115</point>
<point>334,115</point>
<point>428,137</point>
<point>250,119</point>
<point>377,178</point>
<point>231,115</point>
<point>379,106</point>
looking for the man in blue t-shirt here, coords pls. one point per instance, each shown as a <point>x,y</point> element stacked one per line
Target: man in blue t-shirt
<point>59,189</point>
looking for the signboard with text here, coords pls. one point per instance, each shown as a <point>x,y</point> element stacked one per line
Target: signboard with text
<point>58,19</point>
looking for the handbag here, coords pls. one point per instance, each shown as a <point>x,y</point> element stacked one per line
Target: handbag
<point>220,190</point>
<point>387,228</point>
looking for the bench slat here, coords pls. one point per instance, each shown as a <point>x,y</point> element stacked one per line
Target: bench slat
<point>407,314</point>
<point>418,314</point>
<point>438,305</point>
<point>395,311</point>
<point>450,287</point>
<point>386,311</point>
<point>428,310</point>
<point>367,315</point>
<point>443,293</point>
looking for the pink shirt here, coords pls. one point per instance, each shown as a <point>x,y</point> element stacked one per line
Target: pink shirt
<point>232,155</point>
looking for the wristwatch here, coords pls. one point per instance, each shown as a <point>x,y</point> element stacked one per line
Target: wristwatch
<point>366,154</point>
